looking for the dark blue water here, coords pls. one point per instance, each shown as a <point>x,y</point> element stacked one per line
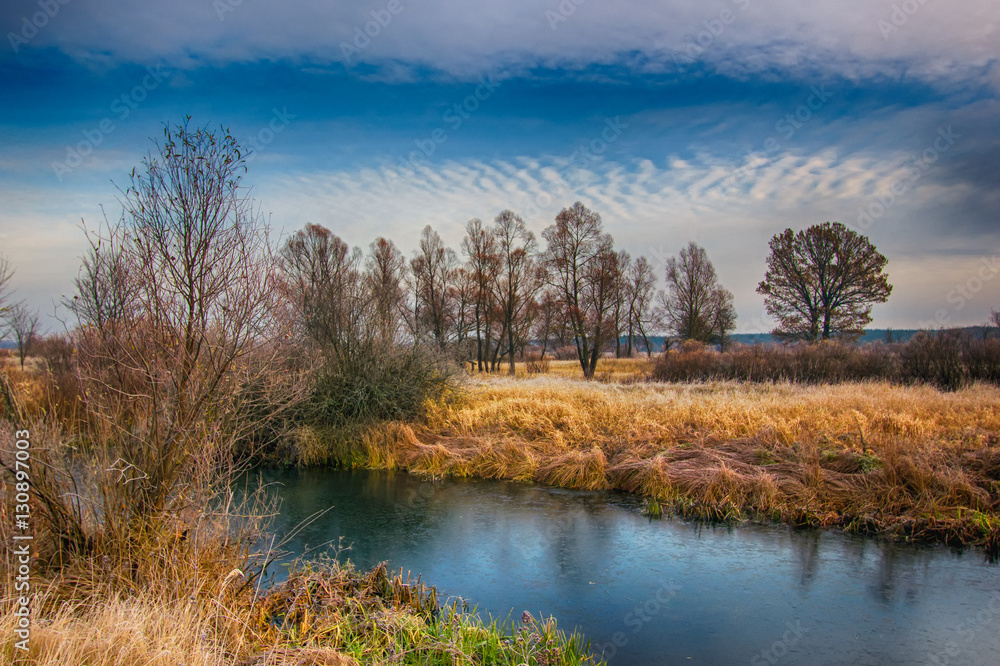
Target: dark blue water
<point>656,592</point>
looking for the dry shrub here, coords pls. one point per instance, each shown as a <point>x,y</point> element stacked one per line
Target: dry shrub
<point>692,362</point>
<point>537,364</point>
<point>566,353</point>
<point>948,360</point>
<point>935,358</point>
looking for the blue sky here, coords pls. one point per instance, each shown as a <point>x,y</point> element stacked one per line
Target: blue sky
<point>721,122</point>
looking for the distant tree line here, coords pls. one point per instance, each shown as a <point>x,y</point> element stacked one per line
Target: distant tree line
<point>505,292</point>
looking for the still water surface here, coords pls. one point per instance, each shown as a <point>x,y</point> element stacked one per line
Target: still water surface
<point>656,592</point>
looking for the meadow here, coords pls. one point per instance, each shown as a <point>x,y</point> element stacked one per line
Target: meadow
<point>909,461</point>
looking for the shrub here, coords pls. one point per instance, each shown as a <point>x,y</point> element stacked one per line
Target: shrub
<point>692,362</point>
<point>936,358</point>
<point>537,365</point>
<point>948,360</point>
<point>391,384</point>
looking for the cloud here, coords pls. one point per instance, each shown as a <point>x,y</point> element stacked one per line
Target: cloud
<point>926,39</point>
<point>652,210</point>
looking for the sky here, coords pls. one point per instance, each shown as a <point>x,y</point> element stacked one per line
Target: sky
<point>721,122</point>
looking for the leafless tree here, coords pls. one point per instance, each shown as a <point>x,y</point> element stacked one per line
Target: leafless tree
<point>549,320</point>
<point>582,267</point>
<point>385,275</point>
<point>23,324</point>
<point>694,305</point>
<point>640,283</point>
<point>322,278</point>
<point>483,267</point>
<point>175,303</point>
<point>433,274</point>
<point>822,282</point>
<point>6,274</point>
<point>623,263</point>
<point>520,277</point>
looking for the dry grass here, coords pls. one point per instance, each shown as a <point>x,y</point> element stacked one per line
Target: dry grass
<point>910,461</point>
<point>621,370</point>
<point>325,614</point>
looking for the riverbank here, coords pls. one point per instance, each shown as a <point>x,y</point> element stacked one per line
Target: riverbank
<point>182,588</point>
<point>197,602</point>
<point>906,461</point>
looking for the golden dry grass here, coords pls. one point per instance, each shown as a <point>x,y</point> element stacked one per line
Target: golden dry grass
<point>912,461</point>
<point>608,369</point>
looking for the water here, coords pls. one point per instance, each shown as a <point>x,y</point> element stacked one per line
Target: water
<point>656,592</point>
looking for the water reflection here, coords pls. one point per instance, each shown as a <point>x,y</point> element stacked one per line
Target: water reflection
<point>657,592</point>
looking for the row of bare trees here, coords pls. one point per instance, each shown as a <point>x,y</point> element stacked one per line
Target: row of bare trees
<point>504,294</point>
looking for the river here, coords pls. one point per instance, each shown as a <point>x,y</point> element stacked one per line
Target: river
<point>654,591</point>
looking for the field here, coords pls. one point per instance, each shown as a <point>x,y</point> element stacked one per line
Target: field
<point>909,461</point>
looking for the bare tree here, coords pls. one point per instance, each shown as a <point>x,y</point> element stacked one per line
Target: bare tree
<point>995,320</point>
<point>640,285</point>
<point>520,276</point>
<point>24,325</point>
<point>385,275</point>
<point>483,264</point>
<point>549,320</point>
<point>724,321</point>
<point>6,274</point>
<point>434,270</point>
<point>582,265</point>
<point>623,263</point>
<point>322,277</point>
<point>175,303</point>
<point>823,282</point>
<point>694,305</point>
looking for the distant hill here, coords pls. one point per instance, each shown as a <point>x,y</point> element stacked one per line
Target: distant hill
<point>871,335</point>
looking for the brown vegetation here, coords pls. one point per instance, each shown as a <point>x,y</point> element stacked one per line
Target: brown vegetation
<point>947,359</point>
